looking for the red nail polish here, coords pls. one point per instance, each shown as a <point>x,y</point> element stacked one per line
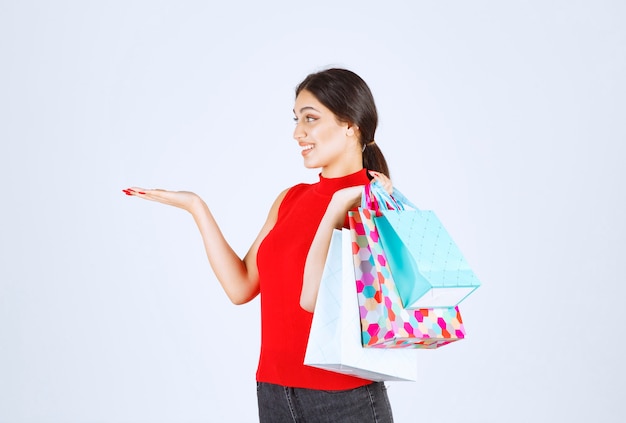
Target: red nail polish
<point>131,190</point>
<point>141,192</point>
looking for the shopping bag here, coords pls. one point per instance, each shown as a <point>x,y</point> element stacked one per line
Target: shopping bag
<point>427,266</point>
<point>384,322</point>
<point>335,337</point>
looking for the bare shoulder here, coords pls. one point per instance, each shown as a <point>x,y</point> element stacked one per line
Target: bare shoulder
<point>280,199</point>
<point>276,205</point>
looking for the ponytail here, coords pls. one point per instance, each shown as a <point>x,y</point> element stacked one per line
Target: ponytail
<point>373,159</point>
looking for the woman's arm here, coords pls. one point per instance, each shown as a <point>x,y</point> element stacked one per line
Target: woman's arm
<point>239,277</point>
<point>334,218</point>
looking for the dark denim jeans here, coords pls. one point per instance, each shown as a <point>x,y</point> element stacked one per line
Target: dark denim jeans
<point>279,404</point>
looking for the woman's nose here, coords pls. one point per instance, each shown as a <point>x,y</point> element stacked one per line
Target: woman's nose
<point>298,132</point>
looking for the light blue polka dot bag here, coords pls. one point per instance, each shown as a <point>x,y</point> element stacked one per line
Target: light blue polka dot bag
<point>427,266</point>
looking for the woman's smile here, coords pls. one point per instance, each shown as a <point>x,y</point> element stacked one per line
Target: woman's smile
<point>306,148</point>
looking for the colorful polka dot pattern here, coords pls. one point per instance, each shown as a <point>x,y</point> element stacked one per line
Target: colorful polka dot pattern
<point>384,323</point>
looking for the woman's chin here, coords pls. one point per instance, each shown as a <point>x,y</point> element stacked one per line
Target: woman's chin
<point>309,164</point>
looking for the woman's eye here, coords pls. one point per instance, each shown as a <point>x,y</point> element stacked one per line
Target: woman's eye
<point>307,119</point>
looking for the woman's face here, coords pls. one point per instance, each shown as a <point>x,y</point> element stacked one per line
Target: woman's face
<point>326,142</point>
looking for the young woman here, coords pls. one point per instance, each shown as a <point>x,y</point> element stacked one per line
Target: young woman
<point>336,120</point>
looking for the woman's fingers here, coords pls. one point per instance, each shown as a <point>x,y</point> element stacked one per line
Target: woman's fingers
<point>159,195</point>
<point>133,191</point>
<point>148,194</point>
<point>384,181</point>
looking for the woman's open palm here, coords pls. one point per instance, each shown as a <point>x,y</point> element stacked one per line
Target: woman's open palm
<point>181,199</point>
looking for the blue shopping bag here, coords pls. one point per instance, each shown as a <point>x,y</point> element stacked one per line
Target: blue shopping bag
<point>425,263</point>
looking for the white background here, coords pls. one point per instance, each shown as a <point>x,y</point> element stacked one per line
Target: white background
<point>505,117</point>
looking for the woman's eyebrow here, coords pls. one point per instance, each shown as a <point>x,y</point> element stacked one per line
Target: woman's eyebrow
<point>303,109</point>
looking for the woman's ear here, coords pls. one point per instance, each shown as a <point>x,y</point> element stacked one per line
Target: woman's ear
<point>352,130</point>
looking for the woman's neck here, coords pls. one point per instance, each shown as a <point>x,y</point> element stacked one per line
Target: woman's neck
<point>341,170</point>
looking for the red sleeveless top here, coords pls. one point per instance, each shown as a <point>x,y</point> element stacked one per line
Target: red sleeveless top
<point>284,324</point>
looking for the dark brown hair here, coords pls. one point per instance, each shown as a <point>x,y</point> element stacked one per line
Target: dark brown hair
<point>345,94</point>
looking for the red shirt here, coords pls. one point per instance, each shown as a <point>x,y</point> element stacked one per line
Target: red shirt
<point>285,325</point>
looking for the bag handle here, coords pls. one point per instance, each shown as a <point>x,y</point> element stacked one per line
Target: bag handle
<point>377,198</point>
